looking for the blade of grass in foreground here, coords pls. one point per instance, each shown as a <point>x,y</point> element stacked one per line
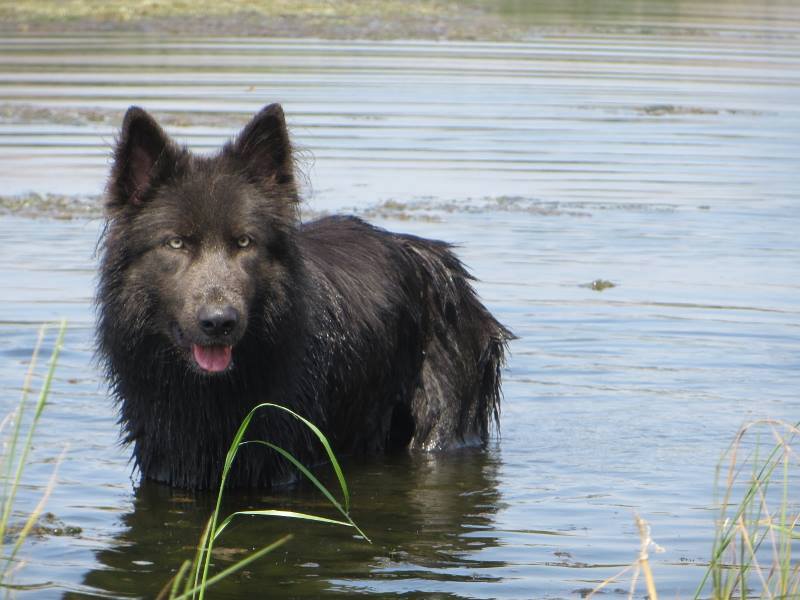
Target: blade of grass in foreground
<point>201,568</point>
<point>287,514</point>
<point>310,476</point>
<point>12,446</point>
<point>190,593</point>
<point>11,486</point>
<point>325,444</point>
<point>37,511</point>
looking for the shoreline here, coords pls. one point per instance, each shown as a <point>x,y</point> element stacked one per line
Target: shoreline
<point>369,20</point>
<point>386,20</point>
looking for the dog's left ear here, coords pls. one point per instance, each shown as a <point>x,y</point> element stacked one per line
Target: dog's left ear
<point>143,156</point>
<point>264,147</point>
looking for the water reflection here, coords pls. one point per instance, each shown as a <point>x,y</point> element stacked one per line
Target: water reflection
<point>430,518</point>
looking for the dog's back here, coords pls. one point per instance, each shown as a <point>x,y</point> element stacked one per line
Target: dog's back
<point>417,357</point>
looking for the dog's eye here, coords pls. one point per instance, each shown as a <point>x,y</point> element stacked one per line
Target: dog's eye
<point>175,243</point>
<point>244,241</point>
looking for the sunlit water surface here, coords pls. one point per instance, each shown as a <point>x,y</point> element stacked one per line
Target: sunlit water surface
<point>657,152</point>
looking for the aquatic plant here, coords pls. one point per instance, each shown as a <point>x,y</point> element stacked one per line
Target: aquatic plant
<point>15,455</point>
<point>757,525</point>
<point>192,578</point>
<point>641,566</point>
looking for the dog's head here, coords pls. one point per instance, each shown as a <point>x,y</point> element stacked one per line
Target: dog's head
<point>198,248</point>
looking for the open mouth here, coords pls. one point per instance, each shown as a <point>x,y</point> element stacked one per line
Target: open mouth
<point>213,359</point>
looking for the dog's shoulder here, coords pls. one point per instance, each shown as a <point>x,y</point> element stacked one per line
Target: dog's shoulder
<point>345,242</point>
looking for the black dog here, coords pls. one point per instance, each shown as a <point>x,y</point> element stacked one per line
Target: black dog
<point>213,297</point>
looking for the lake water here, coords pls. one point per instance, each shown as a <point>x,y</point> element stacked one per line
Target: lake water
<point>655,149</point>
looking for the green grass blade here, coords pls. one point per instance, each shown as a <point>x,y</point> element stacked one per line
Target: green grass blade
<point>232,569</point>
<point>310,476</point>
<point>303,469</point>
<point>289,514</point>
<point>325,444</point>
<point>43,395</point>
<point>727,535</point>
<point>176,582</point>
<point>14,441</point>
<point>201,580</point>
<point>12,445</point>
<point>787,531</point>
<point>234,447</point>
<point>745,528</point>
<point>785,541</point>
<point>34,516</point>
<point>198,558</point>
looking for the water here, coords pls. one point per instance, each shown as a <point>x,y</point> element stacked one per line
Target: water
<point>656,149</point>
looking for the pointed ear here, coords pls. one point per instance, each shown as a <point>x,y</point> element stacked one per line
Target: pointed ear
<point>264,147</point>
<point>143,154</point>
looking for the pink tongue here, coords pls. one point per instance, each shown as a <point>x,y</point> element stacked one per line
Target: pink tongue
<point>212,358</point>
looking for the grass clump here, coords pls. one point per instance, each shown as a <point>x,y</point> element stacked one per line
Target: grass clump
<point>753,554</point>
<point>192,579</point>
<point>17,447</point>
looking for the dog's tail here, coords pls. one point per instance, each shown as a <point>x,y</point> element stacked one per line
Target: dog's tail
<point>460,393</point>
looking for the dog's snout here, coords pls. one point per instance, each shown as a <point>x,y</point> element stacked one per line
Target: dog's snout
<point>218,320</point>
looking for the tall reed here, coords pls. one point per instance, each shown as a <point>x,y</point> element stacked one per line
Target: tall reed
<point>15,456</point>
<point>754,553</point>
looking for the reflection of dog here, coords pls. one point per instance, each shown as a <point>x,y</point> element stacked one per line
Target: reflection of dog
<point>438,513</point>
<point>214,298</point>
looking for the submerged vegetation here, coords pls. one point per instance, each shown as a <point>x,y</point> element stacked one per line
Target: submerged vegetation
<point>51,206</point>
<point>757,527</point>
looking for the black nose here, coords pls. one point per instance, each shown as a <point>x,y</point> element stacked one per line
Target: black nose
<point>218,320</point>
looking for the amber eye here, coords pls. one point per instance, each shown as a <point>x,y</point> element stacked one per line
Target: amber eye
<point>175,243</point>
<point>244,241</point>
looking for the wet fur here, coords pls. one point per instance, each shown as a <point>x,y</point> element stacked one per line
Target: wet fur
<point>376,337</point>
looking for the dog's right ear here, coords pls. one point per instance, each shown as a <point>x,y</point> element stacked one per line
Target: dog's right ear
<point>264,147</point>
<point>143,154</point>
